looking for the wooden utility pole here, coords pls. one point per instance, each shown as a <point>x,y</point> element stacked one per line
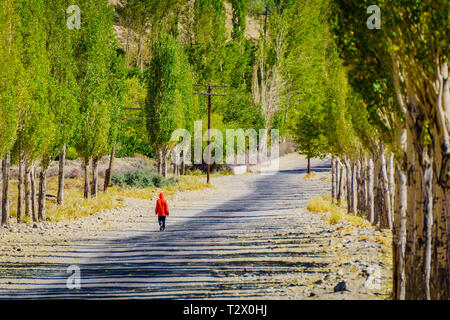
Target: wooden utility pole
<point>209,94</point>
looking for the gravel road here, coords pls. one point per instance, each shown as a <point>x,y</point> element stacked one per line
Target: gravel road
<point>249,237</point>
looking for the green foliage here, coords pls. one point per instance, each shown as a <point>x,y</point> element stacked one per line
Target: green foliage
<point>63,89</point>
<point>9,75</point>
<point>196,172</point>
<point>238,19</point>
<point>95,54</point>
<point>132,137</point>
<point>37,128</point>
<point>305,67</point>
<point>71,153</point>
<point>207,54</point>
<point>169,99</point>
<point>142,179</point>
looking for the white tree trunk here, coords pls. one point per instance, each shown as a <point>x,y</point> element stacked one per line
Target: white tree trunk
<point>20,188</point>
<point>62,160</point>
<point>370,191</point>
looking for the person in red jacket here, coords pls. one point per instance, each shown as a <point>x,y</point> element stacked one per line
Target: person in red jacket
<point>162,210</point>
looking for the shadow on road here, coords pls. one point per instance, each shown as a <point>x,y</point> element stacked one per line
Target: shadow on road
<point>224,251</point>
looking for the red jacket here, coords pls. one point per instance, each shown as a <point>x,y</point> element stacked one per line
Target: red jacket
<point>162,209</point>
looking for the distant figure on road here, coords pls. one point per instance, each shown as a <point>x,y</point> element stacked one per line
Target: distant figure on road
<point>162,210</point>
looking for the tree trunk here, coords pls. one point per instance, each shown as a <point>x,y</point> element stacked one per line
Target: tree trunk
<point>385,185</point>
<point>366,185</point>
<point>174,163</point>
<point>428,206</point>
<point>411,224</point>
<point>27,189</point>
<point>108,175</point>
<point>333,179</point>
<point>160,162</point>
<point>354,190</point>
<point>42,191</point>
<point>370,191</point>
<point>166,156</point>
<point>348,172</point>
<point>360,188</point>
<point>400,219</point>
<point>309,165</point>
<point>379,203</point>
<point>94,190</point>
<point>62,160</point>
<point>391,178</point>
<point>5,190</point>
<point>183,163</point>
<point>20,188</point>
<point>86,179</point>
<point>340,182</point>
<point>34,212</point>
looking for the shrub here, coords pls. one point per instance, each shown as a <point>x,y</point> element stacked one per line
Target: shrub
<point>142,179</point>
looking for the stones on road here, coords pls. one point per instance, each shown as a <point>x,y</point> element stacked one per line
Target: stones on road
<point>249,237</point>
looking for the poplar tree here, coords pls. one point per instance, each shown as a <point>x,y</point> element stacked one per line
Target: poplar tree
<point>169,99</point>
<point>10,78</point>
<point>63,88</point>
<point>36,127</point>
<point>93,48</point>
<point>413,44</point>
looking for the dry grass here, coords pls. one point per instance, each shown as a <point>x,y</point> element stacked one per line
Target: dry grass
<point>309,175</point>
<point>358,221</point>
<point>335,216</point>
<point>320,204</point>
<point>384,240</point>
<point>337,212</point>
<point>76,207</point>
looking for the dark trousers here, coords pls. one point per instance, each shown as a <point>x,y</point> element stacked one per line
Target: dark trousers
<point>162,222</point>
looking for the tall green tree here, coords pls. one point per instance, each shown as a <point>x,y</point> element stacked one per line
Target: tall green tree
<point>63,89</point>
<point>118,90</point>
<point>10,85</point>
<point>93,52</point>
<point>169,99</point>
<point>37,128</point>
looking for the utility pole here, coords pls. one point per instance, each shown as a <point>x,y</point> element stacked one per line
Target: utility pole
<point>209,94</point>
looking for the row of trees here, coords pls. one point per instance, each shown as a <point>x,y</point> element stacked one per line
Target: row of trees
<point>59,86</point>
<point>380,107</point>
<point>404,86</point>
<point>186,42</point>
<point>64,87</point>
<point>376,100</point>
